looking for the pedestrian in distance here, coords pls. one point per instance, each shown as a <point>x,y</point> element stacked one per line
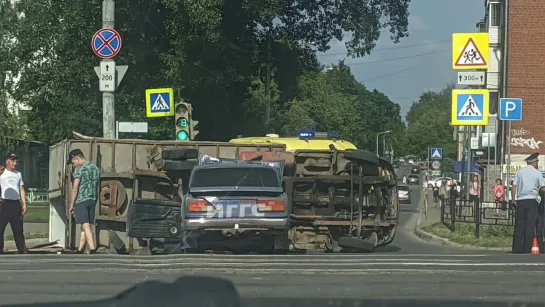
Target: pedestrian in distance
<point>474,190</point>
<point>83,198</point>
<point>499,195</point>
<point>436,194</point>
<point>524,194</point>
<point>12,203</point>
<point>444,193</point>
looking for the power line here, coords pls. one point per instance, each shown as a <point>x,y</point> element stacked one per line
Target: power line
<point>388,48</point>
<point>388,75</point>
<point>398,58</point>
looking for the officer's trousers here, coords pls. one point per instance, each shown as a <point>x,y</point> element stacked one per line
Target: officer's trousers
<point>526,215</point>
<point>540,229</point>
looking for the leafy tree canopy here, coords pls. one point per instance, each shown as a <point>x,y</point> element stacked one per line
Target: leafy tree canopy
<point>213,53</point>
<point>429,124</point>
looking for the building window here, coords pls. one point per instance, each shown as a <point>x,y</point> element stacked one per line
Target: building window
<point>496,15</point>
<point>481,27</point>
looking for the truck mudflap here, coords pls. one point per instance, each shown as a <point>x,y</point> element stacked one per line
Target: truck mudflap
<point>154,218</point>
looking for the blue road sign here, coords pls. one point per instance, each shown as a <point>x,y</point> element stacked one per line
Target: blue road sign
<point>436,153</point>
<point>511,109</point>
<point>160,102</point>
<point>106,43</point>
<point>470,107</point>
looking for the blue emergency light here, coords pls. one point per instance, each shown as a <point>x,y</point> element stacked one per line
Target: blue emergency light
<point>306,134</point>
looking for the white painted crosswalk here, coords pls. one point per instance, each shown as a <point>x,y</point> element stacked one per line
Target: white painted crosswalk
<point>296,264</point>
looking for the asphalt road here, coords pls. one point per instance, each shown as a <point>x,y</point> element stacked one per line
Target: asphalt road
<point>410,272</point>
<point>500,277</point>
<point>406,241</point>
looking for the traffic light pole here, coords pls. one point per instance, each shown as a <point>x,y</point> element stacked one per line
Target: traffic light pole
<point>108,98</point>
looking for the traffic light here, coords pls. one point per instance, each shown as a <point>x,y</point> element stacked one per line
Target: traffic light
<point>192,124</point>
<point>182,117</point>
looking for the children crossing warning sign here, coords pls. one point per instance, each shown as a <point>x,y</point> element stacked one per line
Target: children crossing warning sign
<point>470,51</point>
<point>470,107</point>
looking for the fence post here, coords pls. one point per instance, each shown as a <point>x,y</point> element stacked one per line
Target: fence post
<point>442,213</point>
<point>477,218</point>
<point>453,217</point>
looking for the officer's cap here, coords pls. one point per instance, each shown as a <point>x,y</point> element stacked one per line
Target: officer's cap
<point>532,158</point>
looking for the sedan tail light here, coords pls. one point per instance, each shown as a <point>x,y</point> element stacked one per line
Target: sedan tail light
<point>198,205</point>
<point>271,205</point>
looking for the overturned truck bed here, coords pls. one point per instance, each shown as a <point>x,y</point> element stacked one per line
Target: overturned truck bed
<point>340,200</point>
<point>129,168</point>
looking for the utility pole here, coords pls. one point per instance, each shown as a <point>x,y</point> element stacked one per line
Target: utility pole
<point>468,157</point>
<point>108,98</point>
<point>268,88</point>
<point>384,146</point>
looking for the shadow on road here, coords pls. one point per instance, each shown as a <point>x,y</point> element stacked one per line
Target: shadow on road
<point>388,249</point>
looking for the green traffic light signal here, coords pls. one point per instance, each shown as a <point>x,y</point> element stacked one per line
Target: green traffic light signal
<point>182,136</point>
<point>182,122</point>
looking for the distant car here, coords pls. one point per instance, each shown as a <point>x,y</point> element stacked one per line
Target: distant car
<point>402,160</point>
<point>411,161</point>
<point>404,193</point>
<point>415,170</point>
<point>395,164</point>
<point>413,179</point>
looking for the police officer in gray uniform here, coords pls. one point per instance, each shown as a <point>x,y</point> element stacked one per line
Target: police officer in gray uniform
<point>526,185</point>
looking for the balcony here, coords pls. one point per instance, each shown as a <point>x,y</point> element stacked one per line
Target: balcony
<point>492,80</point>
<point>494,35</point>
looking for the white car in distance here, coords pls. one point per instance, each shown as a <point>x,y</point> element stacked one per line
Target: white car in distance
<point>439,181</point>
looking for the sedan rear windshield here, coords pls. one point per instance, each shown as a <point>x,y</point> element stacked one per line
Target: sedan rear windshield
<point>403,188</point>
<point>232,176</point>
<point>413,176</point>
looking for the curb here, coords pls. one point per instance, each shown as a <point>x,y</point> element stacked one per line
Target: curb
<point>30,243</point>
<point>424,235</point>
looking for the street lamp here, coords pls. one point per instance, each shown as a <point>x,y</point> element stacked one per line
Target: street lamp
<point>383,132</point>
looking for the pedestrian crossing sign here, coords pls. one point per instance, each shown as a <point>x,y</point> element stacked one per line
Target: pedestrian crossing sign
<point>470,107</point>
<point>436,154</point>
<point>160,102</point>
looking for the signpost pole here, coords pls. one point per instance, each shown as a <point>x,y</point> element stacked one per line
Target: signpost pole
<point>510,109</point>
<point>468,158</point>
<point>502,155</point>
<point>384,146</point>
<point>108,98</point>
<point>508,179</point>
<point>429,161</point>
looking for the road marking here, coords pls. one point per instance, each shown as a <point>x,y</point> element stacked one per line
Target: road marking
<point>275,271</point>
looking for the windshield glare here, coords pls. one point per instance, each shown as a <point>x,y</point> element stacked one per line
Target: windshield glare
<point>234,176</point>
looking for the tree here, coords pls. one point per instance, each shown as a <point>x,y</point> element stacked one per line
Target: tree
<point>375,111</point>
<point>320,107</point>
<point>212,52</point>
<point>335,100</point>
<point>429,124</point>
<point>11,125</point>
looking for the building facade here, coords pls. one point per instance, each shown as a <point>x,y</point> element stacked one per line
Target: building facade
<point>526,75</point>
<point>516,70</point>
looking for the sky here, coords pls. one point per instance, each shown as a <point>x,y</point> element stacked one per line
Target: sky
<point>418,63</point>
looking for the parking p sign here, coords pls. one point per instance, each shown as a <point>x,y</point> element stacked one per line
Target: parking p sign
<point>511,109</point>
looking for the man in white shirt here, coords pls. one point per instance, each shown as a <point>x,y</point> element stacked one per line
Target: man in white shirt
<point>12,203</point>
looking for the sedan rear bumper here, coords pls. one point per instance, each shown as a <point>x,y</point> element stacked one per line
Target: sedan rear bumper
<point>405,200</point>
<point>243,223</point>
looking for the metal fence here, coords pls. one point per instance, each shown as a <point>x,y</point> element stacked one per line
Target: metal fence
<point>478,213</point>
